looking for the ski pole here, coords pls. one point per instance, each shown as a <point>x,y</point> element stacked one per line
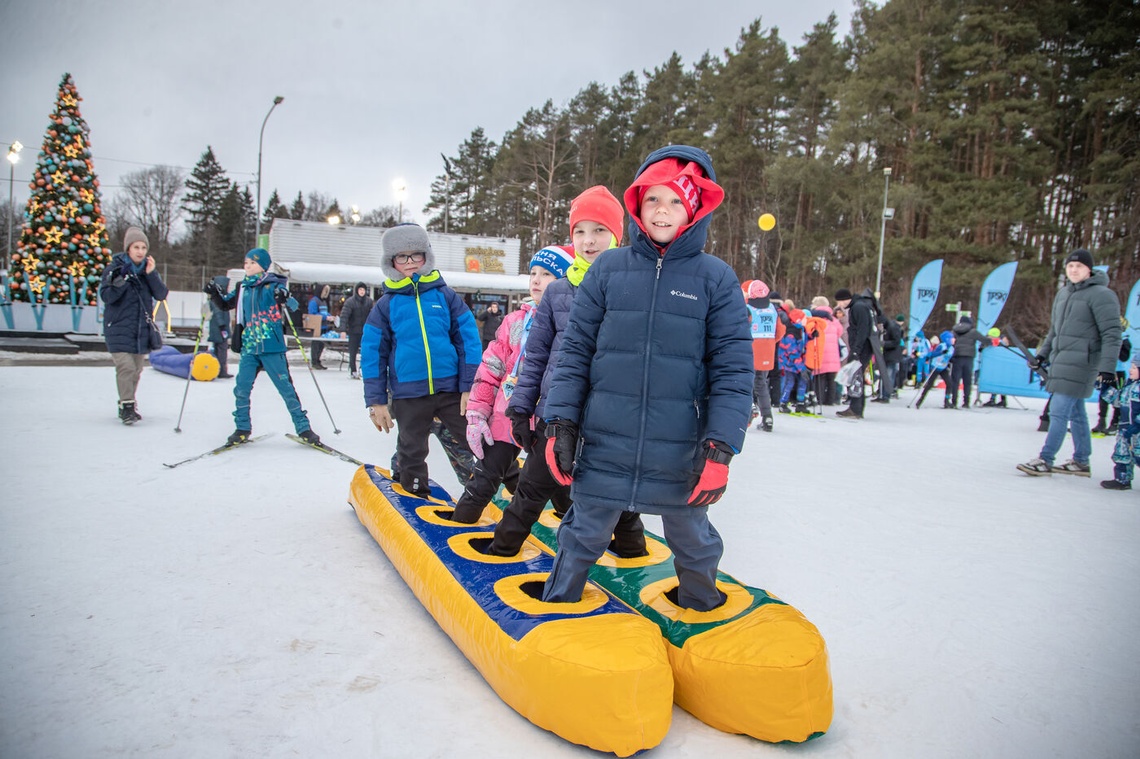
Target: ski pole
<point>312,374</point>
<point>190,372</point>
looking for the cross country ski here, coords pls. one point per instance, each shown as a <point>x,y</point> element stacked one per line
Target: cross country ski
<point>323,448</point>
<point>216,451</point>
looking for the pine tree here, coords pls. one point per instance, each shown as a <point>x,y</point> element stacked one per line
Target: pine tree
<point>205,189</point>
<point>471,186</point>
<point>234,228</point>
<point>63,247</point>
<point>249,217</point>
<point>297,210</point>
<point>274,209</point>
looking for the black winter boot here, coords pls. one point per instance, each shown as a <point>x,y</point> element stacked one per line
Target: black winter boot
<point>237,438</point>
<point>310,437</point>
<point>127,413</point>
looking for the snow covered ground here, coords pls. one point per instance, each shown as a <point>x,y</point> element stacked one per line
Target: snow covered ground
<point>236,607</point>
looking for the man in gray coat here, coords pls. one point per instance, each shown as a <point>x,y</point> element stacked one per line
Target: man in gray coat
<point>1080,349</point>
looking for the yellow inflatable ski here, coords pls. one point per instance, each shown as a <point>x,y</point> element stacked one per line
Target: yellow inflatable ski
<point>754,666</point>
<point>593,672</point>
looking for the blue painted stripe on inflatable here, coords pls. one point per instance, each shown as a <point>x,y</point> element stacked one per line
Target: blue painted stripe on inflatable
<point>477,579</point>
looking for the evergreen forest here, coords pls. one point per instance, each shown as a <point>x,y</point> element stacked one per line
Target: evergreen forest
<point>1010,131</point>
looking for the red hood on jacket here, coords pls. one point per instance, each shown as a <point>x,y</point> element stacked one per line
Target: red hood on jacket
<point>666,170</point>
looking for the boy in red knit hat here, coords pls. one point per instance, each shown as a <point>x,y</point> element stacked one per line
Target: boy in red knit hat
<point>651,395</point>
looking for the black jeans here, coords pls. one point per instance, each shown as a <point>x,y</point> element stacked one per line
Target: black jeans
<point>220,351</point>
<point>498,467</point>
<point>353,349</point>
<point>961,371</point>
<point>414,417</point>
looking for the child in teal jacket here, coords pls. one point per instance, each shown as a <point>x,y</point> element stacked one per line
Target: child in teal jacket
<point>260,333</point>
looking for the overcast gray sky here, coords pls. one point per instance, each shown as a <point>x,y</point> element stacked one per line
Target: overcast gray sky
<point>373,90</point>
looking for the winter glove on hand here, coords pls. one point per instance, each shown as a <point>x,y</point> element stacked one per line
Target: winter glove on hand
<point>281,295</point>
<point>1036,362</point>
<point>561,446</point>
<point>216,295</point>
<point>477,432</point>
<point>714,477</point>
<point>1106,379</point>
<point>380,417</point>
<point>520,429</point>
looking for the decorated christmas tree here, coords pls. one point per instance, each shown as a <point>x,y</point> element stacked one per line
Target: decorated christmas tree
<point>63,246</point>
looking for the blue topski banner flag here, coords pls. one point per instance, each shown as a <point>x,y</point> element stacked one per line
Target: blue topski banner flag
<point>1132,314</point>
<point>924,294</point>
<point>995,291</point>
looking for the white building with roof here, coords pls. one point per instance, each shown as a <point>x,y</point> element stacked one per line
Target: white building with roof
<point>311,252</point>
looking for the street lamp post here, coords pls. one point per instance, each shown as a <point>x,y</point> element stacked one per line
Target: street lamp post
<point>882,230</point>
<point>447,191</point>
<point>276,102</point>
<point>401,189</point>
<point>13,158</point>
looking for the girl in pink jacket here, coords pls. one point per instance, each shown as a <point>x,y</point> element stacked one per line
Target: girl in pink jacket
<point>827,390</point>
<point>488,428</point>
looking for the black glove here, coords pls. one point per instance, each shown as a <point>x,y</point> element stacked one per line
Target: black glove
<point>216,295</point>
<point>1106,379</point>
<point>561,447</point>
<point>1036,362</point>
<point>123,275</point>
<point>520,429</point>
<point>281,295</point>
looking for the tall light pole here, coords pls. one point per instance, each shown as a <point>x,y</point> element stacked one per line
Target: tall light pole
<point>883,230</point>
<point>401,189</point>
<point>276,102</point>
<point>447,191</point>
<point>13,158</point>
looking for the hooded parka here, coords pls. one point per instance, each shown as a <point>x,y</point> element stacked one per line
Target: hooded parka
<point>656,359</point>
<point>1084,335</point>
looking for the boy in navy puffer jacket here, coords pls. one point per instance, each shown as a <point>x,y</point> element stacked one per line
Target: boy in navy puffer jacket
<point>260,331</point>
<point>652,393</point>
<point>418,353</point>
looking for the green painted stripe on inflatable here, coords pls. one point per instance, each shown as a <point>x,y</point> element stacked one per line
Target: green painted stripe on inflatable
<point>627,582</point>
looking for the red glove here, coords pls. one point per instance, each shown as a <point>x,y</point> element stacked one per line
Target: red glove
<point>714,477</point>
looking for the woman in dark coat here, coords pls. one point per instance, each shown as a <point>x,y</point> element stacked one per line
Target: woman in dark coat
<point>129,288</point>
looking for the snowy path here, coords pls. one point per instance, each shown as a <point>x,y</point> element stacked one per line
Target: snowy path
<point>235,606</point>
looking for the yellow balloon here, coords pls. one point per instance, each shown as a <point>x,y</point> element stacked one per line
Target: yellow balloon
<point>767,222</point>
